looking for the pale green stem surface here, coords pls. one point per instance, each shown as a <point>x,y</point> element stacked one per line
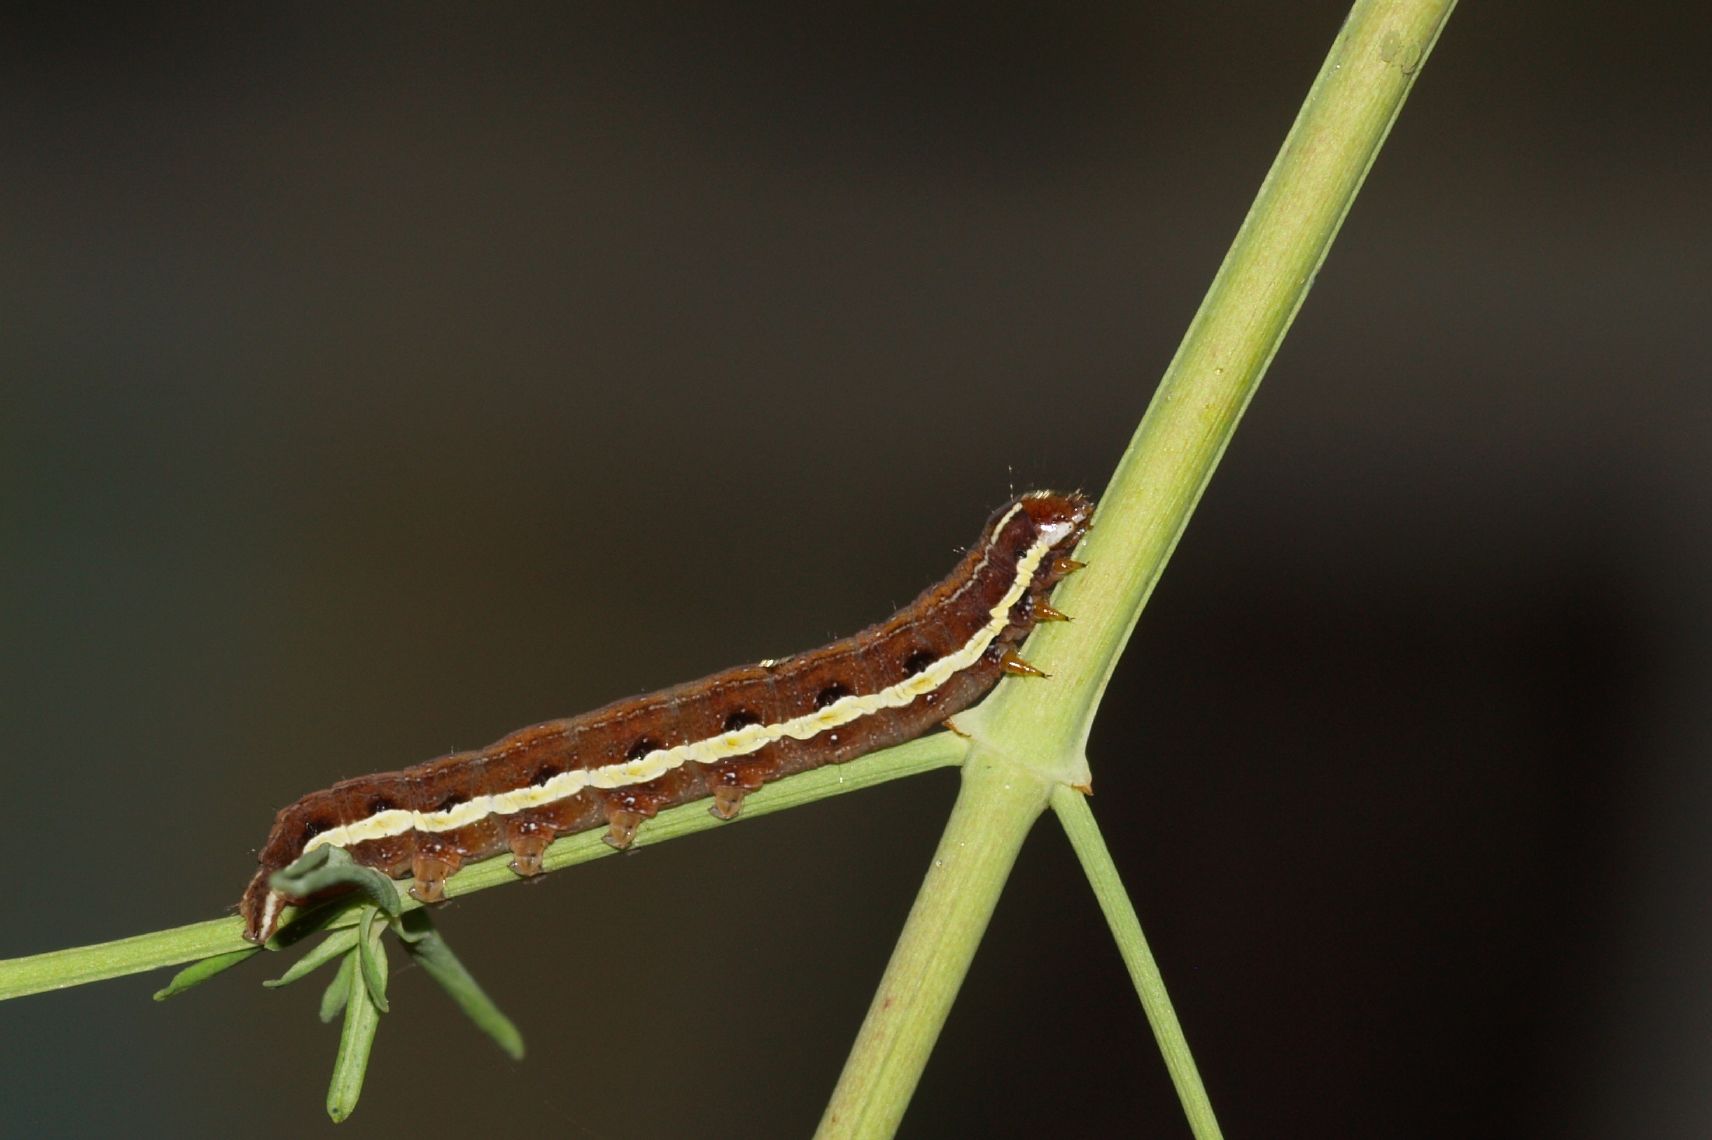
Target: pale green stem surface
<point>1037,731</point>
<point>59,969</point>
<point>987,826</point>
<point>1218,366</point>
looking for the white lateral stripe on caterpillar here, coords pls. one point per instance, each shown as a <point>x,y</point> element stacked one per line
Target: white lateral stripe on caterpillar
<point>713,749</point>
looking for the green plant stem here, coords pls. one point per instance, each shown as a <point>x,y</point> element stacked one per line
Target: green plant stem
<point>988,824</point>
<point>59,969</point>
<point>1071,808</point>
<point>1234,335</point>
<point>1038,730</point>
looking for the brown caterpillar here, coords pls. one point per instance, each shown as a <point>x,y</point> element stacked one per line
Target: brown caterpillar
<point>722,736</point>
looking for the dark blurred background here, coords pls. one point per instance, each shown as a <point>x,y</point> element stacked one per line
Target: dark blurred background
<point>379,382</point>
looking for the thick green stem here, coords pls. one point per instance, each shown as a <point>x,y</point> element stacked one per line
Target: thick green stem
<point>1037,731</point>
<point>992,816</point>
<point>1241,322</point>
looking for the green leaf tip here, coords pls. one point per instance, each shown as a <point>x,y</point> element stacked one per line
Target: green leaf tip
<point>356,1038</point>
<point>429,949</point>
<point>198,972</point>
<point>329,948</point>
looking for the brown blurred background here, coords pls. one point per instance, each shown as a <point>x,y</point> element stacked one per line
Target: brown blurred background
<point>379,382</point>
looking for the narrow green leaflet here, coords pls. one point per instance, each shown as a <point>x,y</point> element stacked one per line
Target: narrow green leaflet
<point>425,945</point>
<point>356,1039</point>
<point>198,972</point>
<point>339,989</point>
<point>325,951</point>
<point>371,958</point>
<point>331,868</point>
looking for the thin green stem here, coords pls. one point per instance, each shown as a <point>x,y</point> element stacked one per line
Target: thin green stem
<point>59,969</point>
<point>1071,807</point>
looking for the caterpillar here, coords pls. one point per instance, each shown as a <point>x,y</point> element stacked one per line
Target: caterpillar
<point>720,737</point>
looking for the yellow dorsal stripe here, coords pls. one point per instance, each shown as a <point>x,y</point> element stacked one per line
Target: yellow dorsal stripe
<point>725,745</point>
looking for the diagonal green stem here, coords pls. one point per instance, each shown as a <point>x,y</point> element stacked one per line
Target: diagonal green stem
<point>1034,734</point>
<point>1256,294</point>
<point>1072,810</point>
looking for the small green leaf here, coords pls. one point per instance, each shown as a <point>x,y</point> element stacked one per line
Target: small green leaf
<point>356,1040</point>
<point>339,989</point>
<point>371,958</point>
<point>325,951</point>
<point>425,945</point>
<point>331,869</point>
<point>198,972</point>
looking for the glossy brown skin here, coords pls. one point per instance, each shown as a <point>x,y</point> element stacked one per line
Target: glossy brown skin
<point>939,621</point>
